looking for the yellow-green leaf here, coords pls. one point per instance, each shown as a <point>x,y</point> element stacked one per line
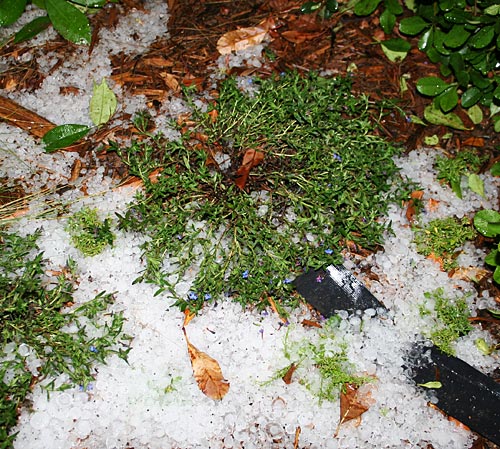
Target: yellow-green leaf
<point>432,384</point>
<point>102,104</point>
<point>476,184</point>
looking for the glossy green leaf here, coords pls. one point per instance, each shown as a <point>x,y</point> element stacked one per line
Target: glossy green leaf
<point>69,21</point>
<point>495,169</point>
<point>309,7</point>
<point>456,37</point>
<point>479,80</point>
<point>439,42</point>
<point>496,124</point>
<point>413,25</point>
<point>475,113</point>
<point>471,96</point>
<point>446,5</point>
<point>487,222</point>
<point>458,66</point>
<point>457,16</point>
<point>31,29</point>
<point>102,104</point>
<point>435,116</point>
<point>332,6</point>
<point>493,258</point>
<point>483,37</point>
<point>431,86</point>
<point>393,6</point>
<point>63,136</point>
<point>10,11</point>
<point>496,275</point>
<point>395,49</point>
<point>387,21</point>
<point>496,92</point>
<point>425,41</point>
<point>476,184</point>
<point>447,99</point>
<point>366,7</point>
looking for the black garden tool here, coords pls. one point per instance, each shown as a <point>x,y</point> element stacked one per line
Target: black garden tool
<point>465,394</point>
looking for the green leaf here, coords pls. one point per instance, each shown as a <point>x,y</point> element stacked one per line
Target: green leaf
<point>495,169</point>
<point>475,113</point>
<point>332,6</point>
<point>393,6</point>
<point>431,86</point>
<point>471,96</point>
<point>90,3</point>
<point>476,184</point>
<point>395,49</point>
<point>366,7</point>
<point>492,258</point>
<point>496,275</point>
<point>493,10</point>
<point>309,7</point>
<point>10,11</point>
<point>102,104</point>
<point>387,21</point>
<point>63,136</point>
<point>483,37</point>
<point>487,222</point>
<point>496,92</point>
<point>432,384</point>
<point>69,21</point>
<point>425,41</point>
<point>447,99</point>
<point>413,25</point>
<point>435,116</point>
<point>431,140</point>
<point>31,29</point>
<point>456,37</point>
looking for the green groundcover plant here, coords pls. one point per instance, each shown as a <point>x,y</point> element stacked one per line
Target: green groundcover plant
<point>487,222</point>
<point>323,181</point>
<point>69,18</point>
<point>35,315</point>
<point>451,319</point>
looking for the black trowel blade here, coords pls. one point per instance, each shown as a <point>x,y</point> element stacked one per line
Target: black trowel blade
<point>466,394</point>
<point>335,289</point>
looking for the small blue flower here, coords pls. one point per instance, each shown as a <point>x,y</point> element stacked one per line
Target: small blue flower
<point>328,251</point>
<point>245,274</point>
<point>93,349</point>
<point>408,119</point>
<point>207,297</point>
<point>319,279</point>
<point>287,281</point>
<point>192,296</point>
<point>337,157</point>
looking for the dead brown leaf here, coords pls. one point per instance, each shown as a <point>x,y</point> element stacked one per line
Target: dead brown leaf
<point>207,372</point>
<point>410,208</point>
<point>251,159</point>
<point>311,323</point>
<point>287,378</point>
<point>299,37</point>
<point>353,403</point>
<point>474,141</point>
<point>245,37</point>
<point>469,273</point>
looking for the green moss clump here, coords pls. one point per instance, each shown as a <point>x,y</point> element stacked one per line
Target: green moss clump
<point>88,233</point>
<point>451,320</point>
<point>442,237</point>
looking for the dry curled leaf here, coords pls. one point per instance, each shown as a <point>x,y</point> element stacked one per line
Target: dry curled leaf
<point>207,373</point>
<point>287,378</point>
<point>251,159</point>
<point>244,37</point>
<point>353,403</point>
